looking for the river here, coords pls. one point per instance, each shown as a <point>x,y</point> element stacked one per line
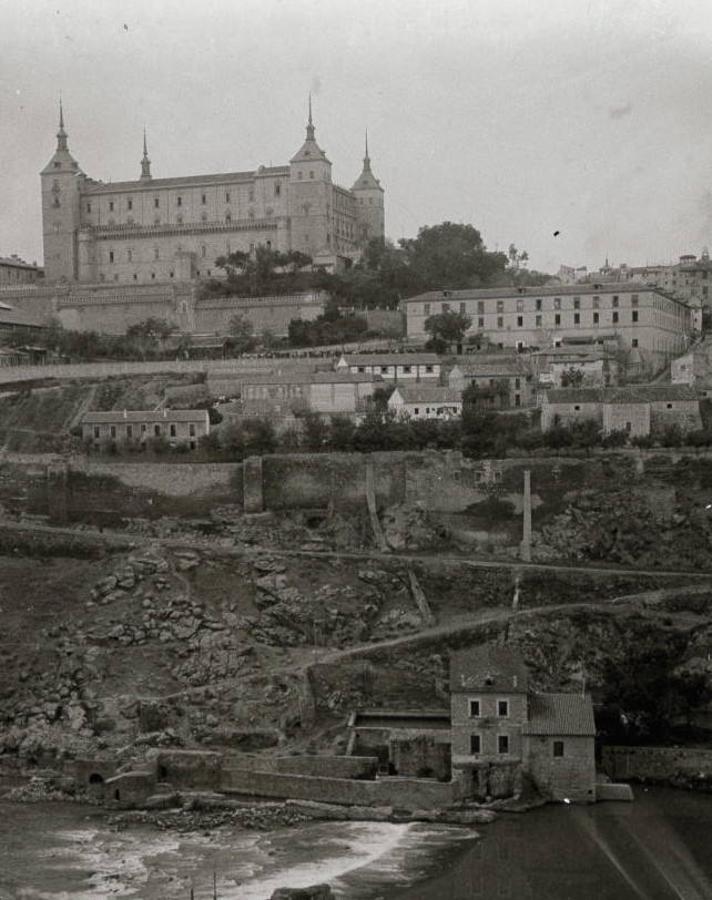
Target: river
<point>657,848</point>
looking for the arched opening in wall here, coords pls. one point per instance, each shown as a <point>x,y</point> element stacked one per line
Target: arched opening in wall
<point>162,773</point>
<point>95,778</point>
<point>117,794</point>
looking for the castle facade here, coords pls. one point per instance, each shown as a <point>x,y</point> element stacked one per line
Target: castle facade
<point>155,230</point>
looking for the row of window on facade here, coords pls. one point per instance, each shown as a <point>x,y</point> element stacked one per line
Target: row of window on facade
<point>179,199</point>
<point>157,431</point>
<point>384,370</point>
<point>538,304</point>
<point>557,747</point>
<point>538,320</point>
<point>157,253</point>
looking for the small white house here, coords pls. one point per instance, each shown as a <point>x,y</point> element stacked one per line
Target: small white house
<point>392,366</point>
<point>426,401</point>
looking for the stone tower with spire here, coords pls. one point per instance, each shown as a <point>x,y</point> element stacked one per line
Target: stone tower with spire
<point>62,181</point>
<point>369,203</point>
<point>145,161</point>
<point>310,196</point>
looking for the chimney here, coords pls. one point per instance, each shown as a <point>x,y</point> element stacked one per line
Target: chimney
<point>125,414</point>
<point>165,413</point>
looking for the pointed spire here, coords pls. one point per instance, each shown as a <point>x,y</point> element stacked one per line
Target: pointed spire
<point>367,158</point>
<point>310,123</point>
<point>61,134</point>
<point>145,162</point>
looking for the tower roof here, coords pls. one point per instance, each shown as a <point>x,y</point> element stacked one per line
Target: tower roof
<point>310,150</point>
<point>145,161</point>
<point>488,669</point>
<point>62,161</point>
<point>367,181</point>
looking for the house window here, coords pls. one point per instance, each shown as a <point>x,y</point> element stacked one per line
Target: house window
<point>446,307</point>
<point>503,708</point>
<point>191,430</point>
<point>615,300</point>
<point>557,302</point>
<point>538,321</point>
<point>481,322</point>
<point>538,304</point>
<point>463,308</point>
<point>558,748</point>
<point>634,342</point>
<point>203,251</point>
<point>113,431</point>
<point>577,318</point>
<point>204,199</point>
<point>520,321</point>
<point>557,319</point>
<point>503,743</point>
<point>517,400</point>
<point>384,370</point>
<point>179,201</point>
<point>111,205</point>
<point>277,189</point>
<point>143,429</point>
<point>156,253</point>
<point>474,709</point>
<point>156,202</point>
<point>129,431</point>
<point>426,309</point>
<point>480,307</point>
<point>577,408</point>
<point>111,255</point>
<point>96,431</point>
<point>500,306</point>
<point>577,303</point>
<point>595,318</point>
<point>669,405</point>
<point>634,297</point>
<point>129,255</point>
<point>407,370</point>
<point>628,426</point>
<point>634,315</point>
<point>520,306</point>
<point>416,410</point>
<point>615,317</point>
<point>429,369</point>
<point>227,197</point>
<point>129,204</point>
<point>173,430</point>
<point>157,430</point>
<point>500,321</point>
<point>88,207</point>
<point>596,302</point>
<point>475,744</point>
<point>517,383</point>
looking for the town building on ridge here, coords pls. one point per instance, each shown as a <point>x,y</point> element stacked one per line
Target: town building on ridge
<point>423,400</point>
<point>133,426</point>
<point>173,229</point>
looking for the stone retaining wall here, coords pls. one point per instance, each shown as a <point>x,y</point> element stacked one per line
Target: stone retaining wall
<point>657,763</point>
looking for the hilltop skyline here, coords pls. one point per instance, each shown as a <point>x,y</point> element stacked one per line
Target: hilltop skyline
<point>590,122</point>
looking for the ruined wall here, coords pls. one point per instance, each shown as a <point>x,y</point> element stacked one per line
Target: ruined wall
<point>316,766</point>
<point>406,792</point>
<point>199,770</point>
<point>656,763</point>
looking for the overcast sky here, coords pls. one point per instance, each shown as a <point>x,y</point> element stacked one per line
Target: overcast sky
<point>592,118</point>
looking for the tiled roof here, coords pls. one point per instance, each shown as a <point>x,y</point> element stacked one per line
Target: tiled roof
<point>116,416</point>
<point>477,369</point>
<point>427,393</point>
<point>488,669</point>
<point>16,262</point>
<point>100,187</point>
<point>311,378</point>
<point>391,359</point>
<point>632,393</point>
<point>11,316</point>
<point>560,714</point>
<point>541,291</point>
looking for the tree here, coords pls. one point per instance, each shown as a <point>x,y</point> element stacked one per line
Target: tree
<point>448,327</point>
<point>451,256</point>
<point>241,333</point>
<point>572,377</point>
<point>342,433</point>
<point>315,433</point>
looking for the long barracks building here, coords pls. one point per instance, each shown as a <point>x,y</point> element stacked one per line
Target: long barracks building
<point>173,229</point>
<point>637,316</point>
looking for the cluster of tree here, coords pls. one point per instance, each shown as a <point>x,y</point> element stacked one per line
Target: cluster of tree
<point>329,328</point>
<point>144,340</point>
<point>447,256</point>
<point>647,696</point>
<point>264,272</point>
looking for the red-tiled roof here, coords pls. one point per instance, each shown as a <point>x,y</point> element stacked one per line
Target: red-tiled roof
<point>560,714</point>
